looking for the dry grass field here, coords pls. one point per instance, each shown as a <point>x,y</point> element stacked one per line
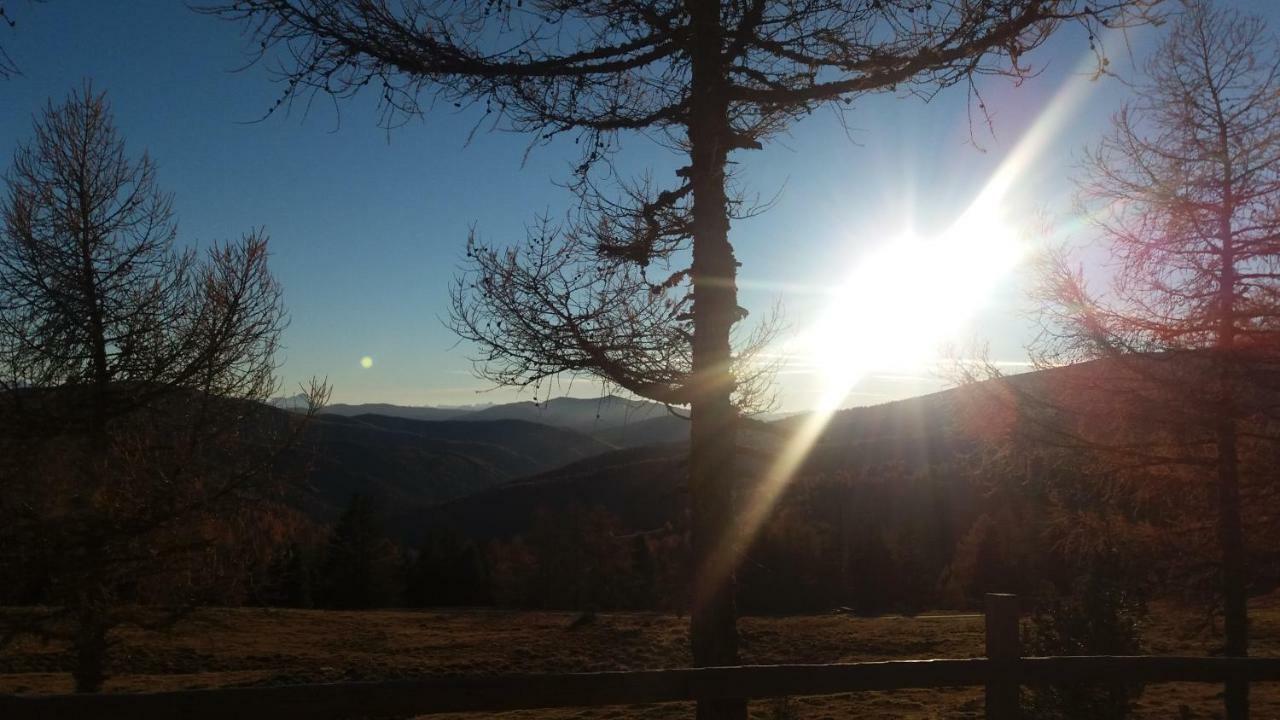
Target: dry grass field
<point>239,647</point>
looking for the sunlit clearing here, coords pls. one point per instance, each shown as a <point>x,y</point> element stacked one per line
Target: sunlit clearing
<point>366,362</point>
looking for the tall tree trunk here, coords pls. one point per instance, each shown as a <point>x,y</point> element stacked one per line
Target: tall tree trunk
<point>1234,597</point>
<point>90,637</point>
<point>1230,526</point>
<point>713,627</point>
<point>90,640</point>
<point>101,378</point>
<point>1231,534</point>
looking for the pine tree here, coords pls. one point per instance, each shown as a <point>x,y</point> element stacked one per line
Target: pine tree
<point>361,567</point>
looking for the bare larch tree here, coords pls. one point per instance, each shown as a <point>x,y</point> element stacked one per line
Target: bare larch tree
<point>136,451</point>
<point>1185,192</point>
<point>707,78</point>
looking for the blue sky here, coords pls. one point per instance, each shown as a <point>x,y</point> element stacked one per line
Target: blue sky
<point>367,226</point>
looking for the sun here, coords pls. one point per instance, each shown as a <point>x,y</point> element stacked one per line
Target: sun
<point>902,301</point>
<point>908,297</point>
<point>366,362</point>
<point>897,306</point>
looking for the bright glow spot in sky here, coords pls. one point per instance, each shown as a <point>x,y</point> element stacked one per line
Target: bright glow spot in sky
<point>910,296</point>
<point>899,304</point>
<point>366,362</point>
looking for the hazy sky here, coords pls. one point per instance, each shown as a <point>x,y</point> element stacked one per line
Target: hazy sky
<point>367,226</point>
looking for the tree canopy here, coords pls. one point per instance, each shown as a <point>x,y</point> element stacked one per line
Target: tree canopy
<point>136,452</point>
<point>1185,195</point>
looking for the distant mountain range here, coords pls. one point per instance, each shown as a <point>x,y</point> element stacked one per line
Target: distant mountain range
<point>644,484</point>
<point>397,411</point>
<point>583,415</point>
<point>487,470</point>
<point>935,438</point>
<point>662,430</point>
<point>590,415</point>
<point>410,464</point>
<point>409,458</point>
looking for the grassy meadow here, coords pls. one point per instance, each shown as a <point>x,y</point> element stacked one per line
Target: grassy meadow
<point>243,647</point>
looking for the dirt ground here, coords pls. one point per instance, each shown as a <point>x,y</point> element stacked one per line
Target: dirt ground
<point>242,647</point>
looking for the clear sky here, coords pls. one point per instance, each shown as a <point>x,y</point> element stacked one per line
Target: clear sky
<point>367,226</point>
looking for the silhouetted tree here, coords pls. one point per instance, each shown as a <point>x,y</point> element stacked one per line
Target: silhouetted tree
<point>789,564</point>
<point>136,450</point>
<point>708,78</point>
<point>1101,614</point>
<point>362,566</point>
<point>447,570</point>
<point>291,577</point>
<point>642,593</point>
<point>1187,189</point>
<point>582,562</point>
<point>512,569</point>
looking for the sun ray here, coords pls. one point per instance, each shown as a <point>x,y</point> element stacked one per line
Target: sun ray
<point>978,242</point>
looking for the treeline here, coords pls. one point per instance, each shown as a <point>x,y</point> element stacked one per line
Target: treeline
<point>869,541</point>
<point>882,540</point>
<point>573,558</point>
<point>355,565</point>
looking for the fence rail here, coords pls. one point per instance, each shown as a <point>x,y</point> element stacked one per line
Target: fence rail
<point>1001,673</point>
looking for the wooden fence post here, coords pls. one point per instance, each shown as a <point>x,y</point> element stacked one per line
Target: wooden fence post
<point>1003,646</point>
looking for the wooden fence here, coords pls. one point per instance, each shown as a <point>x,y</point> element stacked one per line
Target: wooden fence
<point>1002,672</point>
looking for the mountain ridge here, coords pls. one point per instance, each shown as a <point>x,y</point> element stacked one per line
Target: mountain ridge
<point>583,414</point>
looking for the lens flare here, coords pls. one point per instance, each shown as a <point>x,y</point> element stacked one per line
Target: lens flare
<point>896,307</point>
<point>907,298</point>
